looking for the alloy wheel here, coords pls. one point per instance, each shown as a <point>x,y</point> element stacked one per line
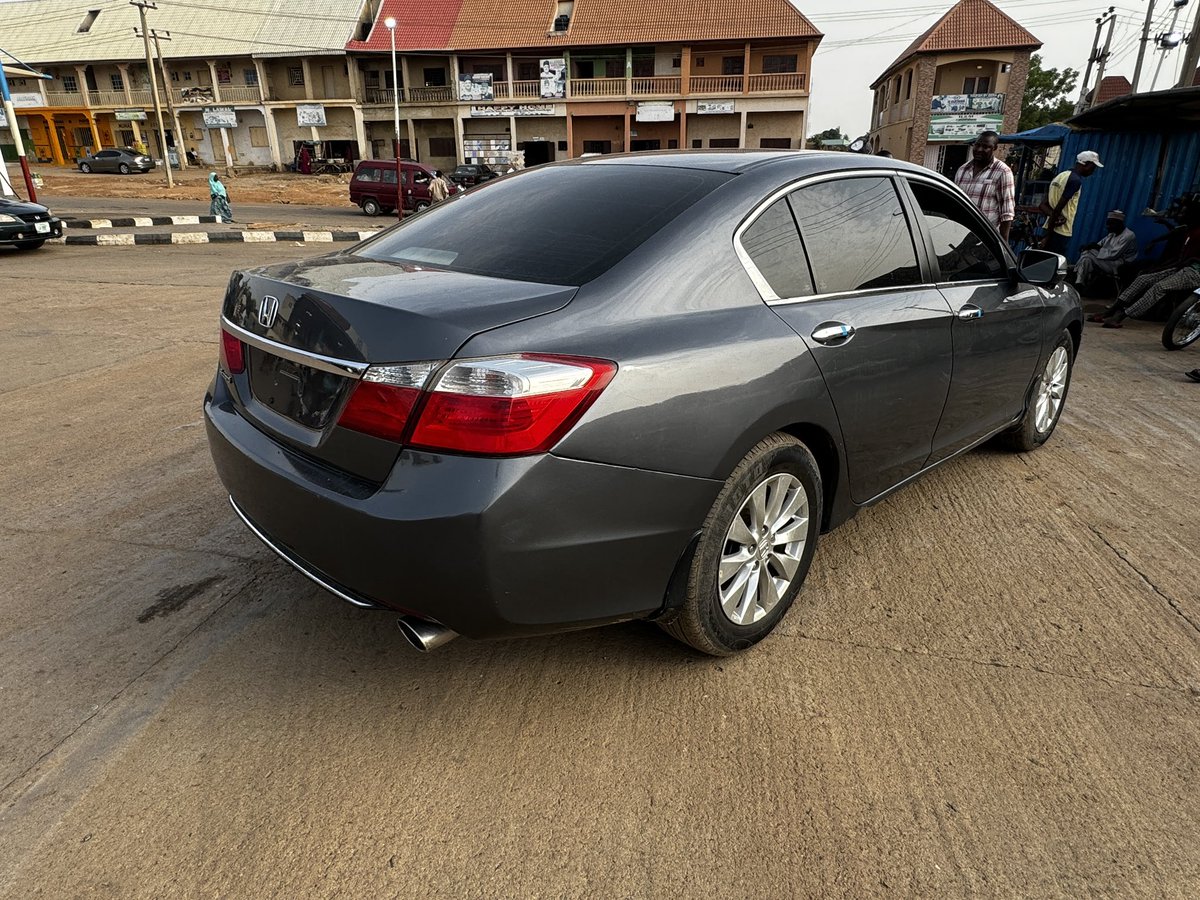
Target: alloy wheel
<point>763,548</point>
<point>1052,390</point>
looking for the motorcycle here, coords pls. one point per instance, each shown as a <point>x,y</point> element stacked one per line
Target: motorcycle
<point>1183,327</point>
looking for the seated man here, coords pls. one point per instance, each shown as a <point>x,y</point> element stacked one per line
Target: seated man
<point>1104,260</point>
<point>1181,274</point>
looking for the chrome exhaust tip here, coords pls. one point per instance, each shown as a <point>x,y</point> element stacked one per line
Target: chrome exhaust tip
<point>424,635</point>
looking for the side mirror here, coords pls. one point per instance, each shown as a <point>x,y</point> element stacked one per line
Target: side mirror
<point>1041,268</point>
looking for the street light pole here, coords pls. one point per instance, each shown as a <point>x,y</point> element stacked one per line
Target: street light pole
<point>391,27</point>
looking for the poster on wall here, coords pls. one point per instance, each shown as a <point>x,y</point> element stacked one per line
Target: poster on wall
<point>961,103</point>
<point>528,109</point>
<point>220,117</point>
<point>493,151</point>
<point>963,126</point>
<point>475,88</point>
<point>310,115</point>
<point>656,111</point>
<point>26,100</point>
<point>554,78</point>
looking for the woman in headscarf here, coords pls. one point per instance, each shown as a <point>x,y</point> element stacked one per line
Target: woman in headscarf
<point>220,198</point>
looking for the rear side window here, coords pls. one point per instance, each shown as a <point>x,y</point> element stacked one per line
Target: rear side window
<point>367,175</point>
<point>555,225</point>
<point>856,234</point>
<point>774,245</point>
<point>965,250</point>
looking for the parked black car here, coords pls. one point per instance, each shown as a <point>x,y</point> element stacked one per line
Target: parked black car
<point>470,175</point>
<point>124,160</point>
<point>27,226</point>
<point>648,411</point>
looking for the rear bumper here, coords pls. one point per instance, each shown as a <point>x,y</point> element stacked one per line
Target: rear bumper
<point>486,547</point>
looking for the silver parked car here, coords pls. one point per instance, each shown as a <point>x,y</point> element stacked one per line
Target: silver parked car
<point>124,160</point>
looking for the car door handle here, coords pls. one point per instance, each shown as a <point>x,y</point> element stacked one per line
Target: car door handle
<point>970,311</point>
<point>833,333</point>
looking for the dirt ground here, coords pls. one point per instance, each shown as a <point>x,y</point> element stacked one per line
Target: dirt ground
<point>990,685</point>
<point>254,187</point>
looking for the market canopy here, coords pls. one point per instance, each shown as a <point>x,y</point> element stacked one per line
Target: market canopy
<point>1047,134</point>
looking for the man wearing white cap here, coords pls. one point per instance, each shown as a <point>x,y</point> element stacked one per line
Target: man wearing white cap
<point>1116,249</point>
<point>1062,202</point>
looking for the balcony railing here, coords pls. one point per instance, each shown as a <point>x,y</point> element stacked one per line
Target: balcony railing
<point>715,84</point>
<point>782,81</point>
<point>596,87</point>
<point>430,95</point>
<point>380,95</point>
<point>64,98</point>
<point>239,93</point>
<point>669,84</point>
<point>107,98</point>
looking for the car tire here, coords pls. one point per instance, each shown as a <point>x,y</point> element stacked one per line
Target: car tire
<point>123,169</point>
<point>371,207</point>
<point>727,605</point>
<point>1047,398</point>
<point>85,168</point>
<point>30,245</point>
<point>422,205</point>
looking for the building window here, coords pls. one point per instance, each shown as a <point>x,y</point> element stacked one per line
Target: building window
<point>697,143</point>
<point>441,146</point>
<point>675,61</point>
<point>614,68</point>
<point>435,78</point>
<point>70,84</point>
<point>187,76</point>
<point>733,65</point>
<point>908,85</point>
<point>775,143</point>
<point>979,85</point>
<point>296,76</point>
<point>562,145</point>
<point>643,67</point>
<point>699,62</point>
<point>251,76</point>
<point>723,143</point>
<point>118,83</point>
<point>225,76</point>
<point>527,71</point>
<point>597,146</point>
<point>258,136</point>
<point>775,65</point>
<point>174,76</point>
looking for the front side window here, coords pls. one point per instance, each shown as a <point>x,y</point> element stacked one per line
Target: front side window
<point>773,244</point>
<point>964,249</point>
<point>856,234</point>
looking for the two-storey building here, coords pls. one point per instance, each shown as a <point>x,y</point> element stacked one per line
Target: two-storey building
<point>556,79</point>
<point>963,76</point>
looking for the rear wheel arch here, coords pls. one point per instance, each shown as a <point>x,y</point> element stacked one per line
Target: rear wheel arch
<point>1076,331</point>
<point>821,445</point>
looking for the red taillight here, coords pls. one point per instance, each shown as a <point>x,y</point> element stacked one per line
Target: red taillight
<point>233,358</point>
<point>380,410</point>
<point>509,406</point>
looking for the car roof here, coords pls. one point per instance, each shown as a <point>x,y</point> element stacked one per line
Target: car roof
<point>739,161</point>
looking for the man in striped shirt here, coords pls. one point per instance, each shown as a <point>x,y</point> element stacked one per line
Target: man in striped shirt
<point>989,183</point>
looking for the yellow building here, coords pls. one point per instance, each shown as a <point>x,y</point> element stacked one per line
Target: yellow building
<point>963,76</point>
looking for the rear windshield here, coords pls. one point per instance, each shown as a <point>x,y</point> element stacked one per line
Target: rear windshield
<point>555,225</point>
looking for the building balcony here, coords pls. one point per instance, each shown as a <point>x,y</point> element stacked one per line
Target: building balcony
<point>715,84</point>
<point>65,98</point>
<point>789,82</point>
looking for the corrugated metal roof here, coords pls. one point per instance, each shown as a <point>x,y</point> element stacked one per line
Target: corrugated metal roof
<point>969,25</point>
<point>497,24</point>
<point>47,31</point>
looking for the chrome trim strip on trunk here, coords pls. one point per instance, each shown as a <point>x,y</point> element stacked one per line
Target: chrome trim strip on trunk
<point>299,566</point>
<point>312,360</point>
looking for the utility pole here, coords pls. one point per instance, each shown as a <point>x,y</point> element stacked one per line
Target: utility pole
<point>142,6</point>
<point>10,114</point>
<point>1137,71</point>
<point>180,150</point>
<point>1168,41</point>
<point>1095,57</point>
<point>1192,58</point>
<point>1112,21</point>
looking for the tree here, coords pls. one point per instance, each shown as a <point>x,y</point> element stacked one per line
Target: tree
<point>1047,95</point>
<point>829,134</point>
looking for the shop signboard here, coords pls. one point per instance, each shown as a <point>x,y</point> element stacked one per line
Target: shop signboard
<point>529,109</point>
<point>656,111</point>
<point>310,115</point>
<point>962,126</point>
<point>26,100</point>
<point>714,107</point>
<point>553,78</point>
<point>220,117</point>
<point>962,103</point>
<point>130,115</point>
<point>475,88</point>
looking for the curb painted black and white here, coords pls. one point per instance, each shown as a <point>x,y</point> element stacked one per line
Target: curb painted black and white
<point>140,221</point>
<point>215,237</point>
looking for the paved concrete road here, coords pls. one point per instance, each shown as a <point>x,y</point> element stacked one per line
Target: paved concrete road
<point>990,685</point>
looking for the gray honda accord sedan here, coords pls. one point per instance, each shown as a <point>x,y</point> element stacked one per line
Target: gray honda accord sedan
<point>628,387</point>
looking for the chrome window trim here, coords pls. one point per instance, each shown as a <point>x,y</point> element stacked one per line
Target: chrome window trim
<point>312,360</point>
<point>760,282</point>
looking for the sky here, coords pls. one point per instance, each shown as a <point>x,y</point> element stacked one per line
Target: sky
<point>863,37</point>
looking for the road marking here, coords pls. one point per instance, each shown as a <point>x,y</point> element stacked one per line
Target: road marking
<point>115,240</point>
<point>258,237</point>
<point>188,220</point>
<point>317,237</point>
<point>142,221</point>
<point>190,237</point>
<point>102,223</point>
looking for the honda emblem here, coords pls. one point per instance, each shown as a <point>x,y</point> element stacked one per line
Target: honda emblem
<point>268,308</point>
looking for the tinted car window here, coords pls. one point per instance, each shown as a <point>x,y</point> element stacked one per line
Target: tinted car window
<point>964,249</point>
<point>371,175</point>
<point>774,245</point>
<point>558,225</point>
<point>856,234</point>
